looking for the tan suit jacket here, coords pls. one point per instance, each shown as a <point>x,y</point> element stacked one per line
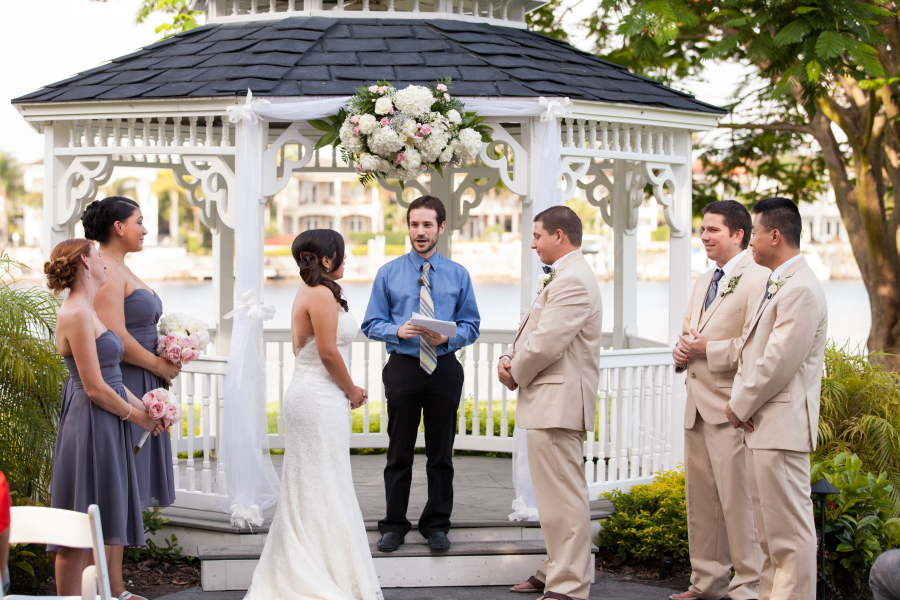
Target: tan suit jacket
<point>725,324</point>
<point>556,354</point>
<point>779,379</point>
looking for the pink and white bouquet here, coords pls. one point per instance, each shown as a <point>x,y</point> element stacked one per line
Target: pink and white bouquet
<point>405,133</point>
<point>182,338</point>
<point>161,404</point>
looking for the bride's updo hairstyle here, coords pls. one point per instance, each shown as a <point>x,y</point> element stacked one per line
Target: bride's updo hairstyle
<point>100,215</point>
<point>309,248</point>
<point>65,261</point>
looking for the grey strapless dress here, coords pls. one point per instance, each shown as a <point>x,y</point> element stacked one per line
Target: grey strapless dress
<point>156,479</point>
<point>94,457</point>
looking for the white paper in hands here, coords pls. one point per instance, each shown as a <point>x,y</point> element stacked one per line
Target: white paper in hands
<point>447,328</point>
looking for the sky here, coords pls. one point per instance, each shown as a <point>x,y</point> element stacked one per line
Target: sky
<point>44,41</point>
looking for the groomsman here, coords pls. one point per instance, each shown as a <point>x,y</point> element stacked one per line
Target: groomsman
<point>422,378</point>
<point>776,401</point>
<point>721,528</point>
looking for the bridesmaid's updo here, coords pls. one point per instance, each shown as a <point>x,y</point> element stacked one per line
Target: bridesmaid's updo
<point>309,248</point>
<point>100,215</point>
<point>65,261</point>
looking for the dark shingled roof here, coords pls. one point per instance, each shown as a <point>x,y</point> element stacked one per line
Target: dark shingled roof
<point>317,56</point>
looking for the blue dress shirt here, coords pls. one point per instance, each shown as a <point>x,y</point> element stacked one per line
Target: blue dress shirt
<point>395,296</point>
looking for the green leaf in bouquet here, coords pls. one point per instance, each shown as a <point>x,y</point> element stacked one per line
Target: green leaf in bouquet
<point>326,140</point>
<point>321,125</point>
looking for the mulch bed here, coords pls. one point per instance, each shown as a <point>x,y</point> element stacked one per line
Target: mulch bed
<point>613,568</point>
<point>153,579</point>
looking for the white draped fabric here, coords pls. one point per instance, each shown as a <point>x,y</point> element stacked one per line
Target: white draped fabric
<point>252,484</point>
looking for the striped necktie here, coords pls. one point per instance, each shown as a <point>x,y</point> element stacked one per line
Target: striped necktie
<point>427,352</point>
<point>713,288</point>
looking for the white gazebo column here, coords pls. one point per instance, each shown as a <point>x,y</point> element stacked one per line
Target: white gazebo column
<point>223,285</point>
<point>625,259</point>
<point>338,206</point>
<point>56,135</point>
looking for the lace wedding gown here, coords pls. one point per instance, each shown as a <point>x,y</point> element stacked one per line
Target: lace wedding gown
<point>317,546</point>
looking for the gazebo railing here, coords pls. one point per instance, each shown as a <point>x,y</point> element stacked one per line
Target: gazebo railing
<point>632,438</point>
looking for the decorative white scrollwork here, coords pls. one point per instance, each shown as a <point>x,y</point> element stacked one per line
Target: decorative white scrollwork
<point>79,186</point>
<point>488,177</point>
<point>661,176</point>
<point>399,191</point>
<point>208,214</point>
<point>218,182</point>
<point>518,183</point>
<point>600,179</point>
<point>582,164</point>
<point>271,183</point>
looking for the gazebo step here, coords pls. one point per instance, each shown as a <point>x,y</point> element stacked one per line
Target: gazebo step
<point>413,565</point>
<point>199,528</point>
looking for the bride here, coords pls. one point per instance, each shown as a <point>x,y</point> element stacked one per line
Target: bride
<point>317,546</point>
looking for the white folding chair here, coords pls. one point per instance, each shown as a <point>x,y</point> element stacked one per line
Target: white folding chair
<point>40,525</point>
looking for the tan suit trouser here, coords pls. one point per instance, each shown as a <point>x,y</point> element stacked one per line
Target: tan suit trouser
<point>721,527</point>
<point>556,460</point>
<point>779,483</point>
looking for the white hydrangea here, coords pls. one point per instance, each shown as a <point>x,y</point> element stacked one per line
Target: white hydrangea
<point>367,124</point>
<point>433,145</point>
<point>446,155</point>
<point>413,159</point>
<point>409,129</point>
<point>369,162</point>
<point>453,116</point>
<point>384,141</point>
<point>415,100</point>
<point>468,151</point>
<point>384,165</point>
<point>469,135</point>
<point>349,140</point>
<point>383,106</point>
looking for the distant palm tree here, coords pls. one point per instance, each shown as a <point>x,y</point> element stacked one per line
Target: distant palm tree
<point>11,193</point>
<point>32,375</point>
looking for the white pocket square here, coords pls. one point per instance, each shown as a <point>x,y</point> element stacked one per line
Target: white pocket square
<point>536,306</point>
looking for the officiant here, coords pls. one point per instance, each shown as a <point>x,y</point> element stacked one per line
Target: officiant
<point>422,378</point>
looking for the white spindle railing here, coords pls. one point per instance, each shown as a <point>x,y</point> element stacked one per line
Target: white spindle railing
<point>511,12</point>
<point>611,139</point>
<point>632,439</point>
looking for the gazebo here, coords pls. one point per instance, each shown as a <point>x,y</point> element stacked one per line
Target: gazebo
<point>563,120</point>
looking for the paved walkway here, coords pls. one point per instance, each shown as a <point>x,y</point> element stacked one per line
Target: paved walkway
<point>603,590</point>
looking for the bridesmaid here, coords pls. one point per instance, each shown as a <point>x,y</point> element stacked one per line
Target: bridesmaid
<point>94,454</point>
<point>131,309</point>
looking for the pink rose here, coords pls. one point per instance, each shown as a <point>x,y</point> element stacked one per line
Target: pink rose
<point>162,395</point>
<point>355,118</point>
<point>184,343</point>
<point>382,89</point>
<point>392,111</point>
<point>385,121</point>
<point>442,87</point>
<point>196,342</point>
<point>160,343</point>
<point>356,130</point>
<point>447,97</point>
<point>173,354</point>
<point>149,398</point>
<point>426,129</point>
<point>401,158</point>
<point>157,410</point>
<point>188,355</point>
<point>173,413</point>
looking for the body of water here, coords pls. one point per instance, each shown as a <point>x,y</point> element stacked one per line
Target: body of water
<point>848,304</point>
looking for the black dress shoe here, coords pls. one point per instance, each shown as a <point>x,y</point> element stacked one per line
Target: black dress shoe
<point>390,541</point>
<point>439,542</point>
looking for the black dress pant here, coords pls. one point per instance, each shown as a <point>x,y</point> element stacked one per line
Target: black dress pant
<point>412,393</point>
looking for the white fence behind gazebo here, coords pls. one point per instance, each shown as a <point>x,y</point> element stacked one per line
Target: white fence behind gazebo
<point>637,412</point>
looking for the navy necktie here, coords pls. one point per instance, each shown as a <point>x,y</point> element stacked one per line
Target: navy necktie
<point>714,287</point>
<point>547,270</point>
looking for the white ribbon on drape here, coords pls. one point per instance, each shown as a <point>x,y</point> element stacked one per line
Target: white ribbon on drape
<point>252,484</point>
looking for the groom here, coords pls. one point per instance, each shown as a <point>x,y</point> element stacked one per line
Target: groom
<point>423,380</point>
<point>556,366</point>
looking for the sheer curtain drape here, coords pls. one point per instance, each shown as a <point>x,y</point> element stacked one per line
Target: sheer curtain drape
<point>248,484</point>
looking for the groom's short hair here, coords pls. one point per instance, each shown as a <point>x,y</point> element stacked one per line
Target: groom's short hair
<point>564,218</point>
<point>735,215</point>
<point>432,202</point>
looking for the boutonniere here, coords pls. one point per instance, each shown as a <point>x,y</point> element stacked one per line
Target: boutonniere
<point>544,280</point>
<point>774,286</point>
<point>731,286</point>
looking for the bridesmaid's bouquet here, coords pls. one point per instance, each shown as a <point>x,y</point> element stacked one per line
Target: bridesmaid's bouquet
<point>161,405</point>
<point>182,338</point>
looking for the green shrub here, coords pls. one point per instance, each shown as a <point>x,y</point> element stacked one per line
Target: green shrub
<point>30,566</point>
<point>650,520</point>
<point>170,553</point>
<point>858,522</point>
<point>861,414</point>
<point>32,374</point>
<point>397,238</point>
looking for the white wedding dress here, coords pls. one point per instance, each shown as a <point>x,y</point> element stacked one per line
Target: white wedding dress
<point>317,546</point>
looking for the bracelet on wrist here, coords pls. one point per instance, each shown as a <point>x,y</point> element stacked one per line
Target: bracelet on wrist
<point>130,410</point>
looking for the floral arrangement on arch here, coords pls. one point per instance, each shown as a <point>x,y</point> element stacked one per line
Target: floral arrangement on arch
<point>405,133</point>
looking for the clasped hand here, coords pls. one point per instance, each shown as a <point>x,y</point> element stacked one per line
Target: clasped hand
<point>358,397</point>
<point>504,374</point>
<point>736,421</point>
<point>689,347</point>
<point>408,330</point>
